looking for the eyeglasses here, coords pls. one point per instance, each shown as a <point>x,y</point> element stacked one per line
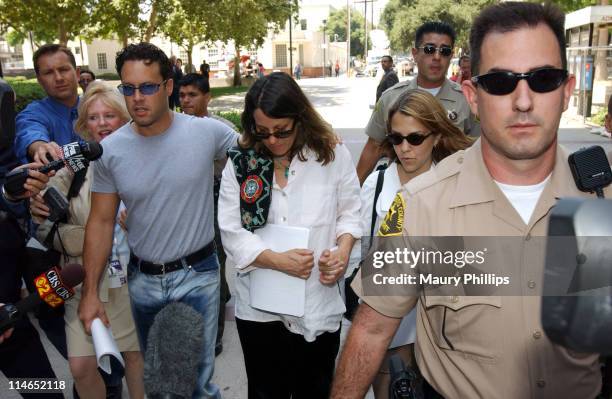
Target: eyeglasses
<point>415,138</point>
<point>146,89</point>
<point>542,80</point>
<point>279,135</point>
<point>429,49</point>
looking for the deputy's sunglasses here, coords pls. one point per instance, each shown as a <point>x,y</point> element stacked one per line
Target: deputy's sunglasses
<point>146,89</point>
<point>542,80</point>
<point>412,139</point>
<point>279,135</point>
<point>429,49</point>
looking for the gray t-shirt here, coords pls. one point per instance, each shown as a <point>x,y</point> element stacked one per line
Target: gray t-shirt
<point>166,183</point>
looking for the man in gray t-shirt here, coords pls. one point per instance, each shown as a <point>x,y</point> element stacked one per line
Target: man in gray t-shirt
<point>163,172</point>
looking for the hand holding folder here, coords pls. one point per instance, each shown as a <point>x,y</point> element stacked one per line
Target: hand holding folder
<point>275,291</point>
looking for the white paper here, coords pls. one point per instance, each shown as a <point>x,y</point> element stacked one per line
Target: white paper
<point>104,345</point>
<point>275,291</point>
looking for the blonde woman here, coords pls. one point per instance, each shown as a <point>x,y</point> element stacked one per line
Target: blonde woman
<point>101,111</point>
<point>419,134</point>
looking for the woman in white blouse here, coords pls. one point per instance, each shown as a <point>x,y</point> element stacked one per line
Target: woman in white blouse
<point>288,170</point>
<point>419,134</point>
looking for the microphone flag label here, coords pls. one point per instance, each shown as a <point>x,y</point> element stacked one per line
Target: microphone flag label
<point>73,157</point>
<point>51,288</point>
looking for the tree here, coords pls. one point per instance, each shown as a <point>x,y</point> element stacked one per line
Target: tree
<point>401,25</point>
<point>247,23</point>
<point>336,25</point>
<point>47,20</point>
<point>572,5</point>
<point>189,24</point>
<point>128,19</point>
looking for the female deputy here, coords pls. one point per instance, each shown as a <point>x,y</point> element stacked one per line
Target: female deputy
<point>419,134</point>
<point>288,170</point>
<point>101,111</point>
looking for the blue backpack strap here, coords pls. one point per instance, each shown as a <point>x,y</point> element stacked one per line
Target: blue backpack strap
<point>255,174</point>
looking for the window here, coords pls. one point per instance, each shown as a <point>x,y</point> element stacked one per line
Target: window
<point>303,24</point>
<point>183,56</point>
<point>252,52</point>
<point>77,50</point>
<point>281,56</point>
<point>213,57</point>
<point>102,61</point>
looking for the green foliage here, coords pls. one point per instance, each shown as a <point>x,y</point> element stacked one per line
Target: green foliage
<point>600,117</point>
<point>48,20</point>
<point>224,91</point>
<point>572,5</point>
<point>247,22</point>
<point>336,25</point>
<point>190,23</point>
<point>234,117</point>
<point>26,91</point>
<point>401,19</point>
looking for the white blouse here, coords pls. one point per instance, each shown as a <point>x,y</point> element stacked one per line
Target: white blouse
<point>406,333</point>
<point>324,199</point>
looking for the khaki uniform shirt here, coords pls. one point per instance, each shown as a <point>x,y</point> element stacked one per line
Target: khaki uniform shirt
<point>450,96</point>
<point>487,346</point>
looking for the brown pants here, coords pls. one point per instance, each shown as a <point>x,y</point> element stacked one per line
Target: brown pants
<point>383,378</point>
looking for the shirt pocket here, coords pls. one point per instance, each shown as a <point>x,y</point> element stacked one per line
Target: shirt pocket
<point>469,325</point>
<point>319,203</point>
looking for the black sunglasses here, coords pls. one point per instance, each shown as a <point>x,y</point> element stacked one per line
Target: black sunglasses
<point>541,81</point>
<point>429,49</point>
<point>279,135</point>
<point>412,138</point>
<point>146,89</point>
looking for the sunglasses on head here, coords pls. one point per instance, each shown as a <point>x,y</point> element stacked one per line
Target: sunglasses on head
<point>429,49</point>
<point>146,89</point>
<point>415,138</point>
<point>279,135</point>
<point>542,80</point>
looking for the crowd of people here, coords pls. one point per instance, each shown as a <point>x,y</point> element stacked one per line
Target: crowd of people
<point>178,198</point>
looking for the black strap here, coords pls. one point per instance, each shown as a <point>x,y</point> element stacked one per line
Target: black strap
<point>75,186</point>
<point>379,185</point>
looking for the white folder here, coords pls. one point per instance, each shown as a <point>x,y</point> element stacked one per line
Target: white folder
<point>104,345</point>
<point>275,291</point>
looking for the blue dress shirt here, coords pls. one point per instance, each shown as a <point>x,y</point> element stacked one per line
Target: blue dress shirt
<point>44,120</point>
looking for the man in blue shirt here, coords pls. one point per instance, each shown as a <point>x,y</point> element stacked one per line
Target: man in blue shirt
<point>52,118</point>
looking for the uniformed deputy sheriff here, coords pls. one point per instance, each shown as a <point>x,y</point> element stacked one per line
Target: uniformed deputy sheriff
<point>504,185</point>
<point>432,52</point>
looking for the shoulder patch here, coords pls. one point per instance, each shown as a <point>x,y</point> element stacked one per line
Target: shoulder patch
<point>394,219</point>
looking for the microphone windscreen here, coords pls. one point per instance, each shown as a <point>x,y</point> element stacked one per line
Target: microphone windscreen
<point>174,352</point>
<point>91,150</point>
<point>72,274</point>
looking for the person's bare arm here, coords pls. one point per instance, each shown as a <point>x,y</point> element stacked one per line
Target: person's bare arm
<point>365,347</point>
<point>98,244</point>
<point>370,154</point>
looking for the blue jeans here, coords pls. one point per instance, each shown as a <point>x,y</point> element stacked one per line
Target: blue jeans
<point>197,286</point>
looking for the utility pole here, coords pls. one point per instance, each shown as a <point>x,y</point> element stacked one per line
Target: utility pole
<point>290,40</point>
<point>365,23</point>
<point>348,38</point>
<point>324,47</point>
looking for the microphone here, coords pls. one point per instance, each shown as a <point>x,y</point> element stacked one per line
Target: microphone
<point>591,169</point>
<point>74,156</point>
<point>53,287</point>
<point>171,371</point>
